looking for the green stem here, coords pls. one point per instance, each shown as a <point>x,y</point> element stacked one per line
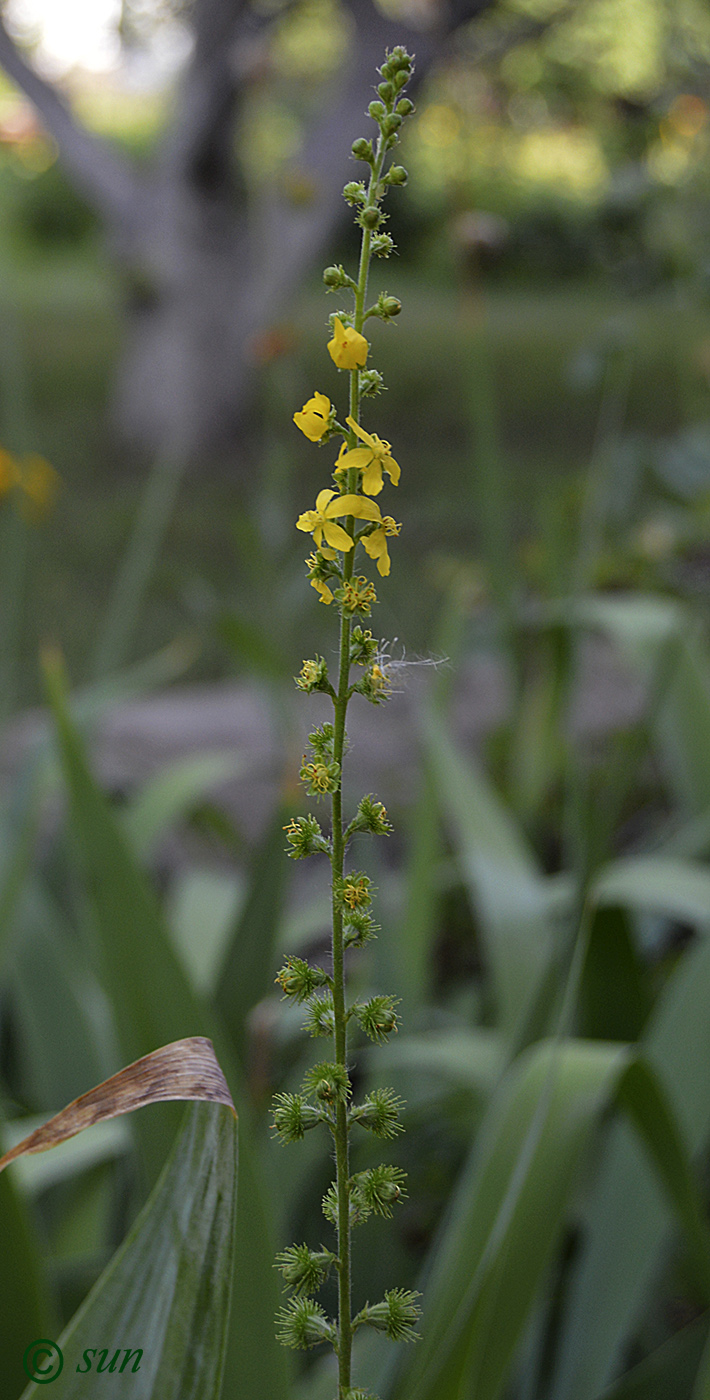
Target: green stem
<point>345,1328</point>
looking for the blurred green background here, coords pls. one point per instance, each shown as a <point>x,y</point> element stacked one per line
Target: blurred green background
<point>548,398</point>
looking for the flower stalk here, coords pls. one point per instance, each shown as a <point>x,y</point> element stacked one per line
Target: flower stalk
<point>341,523</point>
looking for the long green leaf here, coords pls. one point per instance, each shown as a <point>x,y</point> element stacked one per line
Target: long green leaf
<point>508,893</point>
<point>253,944</point>
<point>669,1372</point>
<point>24,1305</point>
<point>153,1004</point>
<point>511,1205</point>
<point>172,793</point>
<point>627,1219</point>
<point>166,1292</point>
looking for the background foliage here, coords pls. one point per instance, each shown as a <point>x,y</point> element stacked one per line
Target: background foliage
<point>545,916</point>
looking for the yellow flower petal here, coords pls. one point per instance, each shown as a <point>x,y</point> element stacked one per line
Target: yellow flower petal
<point>372,478</point>
<point>393,468</point>
<point>307,521</point>
<point>323,498</point>
<point>336,536</point>
<point>348,349</point>
<point>322,588</point>
<point>357,457</point>
<point>360,432</point>
<point>358,506</point>
<point>313,417</point>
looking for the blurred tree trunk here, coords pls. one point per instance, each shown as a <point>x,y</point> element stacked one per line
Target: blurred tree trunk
<point>206,271</point>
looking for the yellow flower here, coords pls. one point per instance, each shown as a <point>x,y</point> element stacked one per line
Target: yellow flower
<point>9,472</point>
<point>40,483</point>
<point>348,349</point>
<point>376,543</point>
<point>371,459</point>
<point>313,417</point>
<point>320,522</point>
<point>322,589</point>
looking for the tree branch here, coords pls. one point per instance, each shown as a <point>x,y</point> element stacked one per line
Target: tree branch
<point>107,181</point>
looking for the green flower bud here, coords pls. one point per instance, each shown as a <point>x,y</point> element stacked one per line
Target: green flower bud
<point>405,107</point>
<point>391,124</point>
<point>380,1189</point>
<point>382,245</point>
<point>379,1113</point>
<point>320,1019</point>
<point>354,192</point>
<point>329,1082</point>
<point>303,1324</point>
<point>377,111</point>
<point>360,927</point>
<point>391,306</point>
<point>370,217</point>
<point>299,980</point>
<point>397,175</point>
<point>377,1017</point>
<point>396,1315</point>
<point>371,816</point>
<point>293,1117</point>
<point>304,1270</point>
<point>362,150</point>
<point>401,79</point>
<point>371,383</point>
<point>386,91</point>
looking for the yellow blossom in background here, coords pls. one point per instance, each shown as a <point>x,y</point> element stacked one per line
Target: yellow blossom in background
<point>36,479</point>
<point>376,543</point>
<point>348,348</point>
<point>320,523</point>
<point>372,459</point>
<point>40,483</point>
<point>9,473</point>
<point>313,417</point>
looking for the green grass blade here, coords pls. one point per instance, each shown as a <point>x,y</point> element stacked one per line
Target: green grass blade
<point>24,1306</point>
<point>154,1004</point>
<point>254,944</point>
<point>167,1289</point>
<point>626,1218</point>
<point>508,893</point>
<point>170,796</point>
<point>511,1205</point>
<point>669,1372</point>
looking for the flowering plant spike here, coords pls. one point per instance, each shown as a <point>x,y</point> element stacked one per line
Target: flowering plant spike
<point>344,520</point>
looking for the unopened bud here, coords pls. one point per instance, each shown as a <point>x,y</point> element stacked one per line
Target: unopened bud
<point>370,217</point>
<point>386,91</point>
<point>332,277</point>
<point>405,107</point>
<point>362,149</point>
<point>391,124</point>
<point>397,175</point>
<point>391,306</point>
<point>377,111</point>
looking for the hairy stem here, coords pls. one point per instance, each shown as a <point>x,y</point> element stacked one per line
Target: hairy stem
<point>345,1331</point>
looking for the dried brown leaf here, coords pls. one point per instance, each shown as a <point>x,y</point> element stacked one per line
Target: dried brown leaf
<point>186,1069</point>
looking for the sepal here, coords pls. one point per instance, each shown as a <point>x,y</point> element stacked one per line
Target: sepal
<point>303,1269</point>
<point>379,1113</point>
<point>297,978</point>
<point>303,1324</point>
<point>396,1315</point>
<point>293,1117</point>
<point>377,1017</point>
